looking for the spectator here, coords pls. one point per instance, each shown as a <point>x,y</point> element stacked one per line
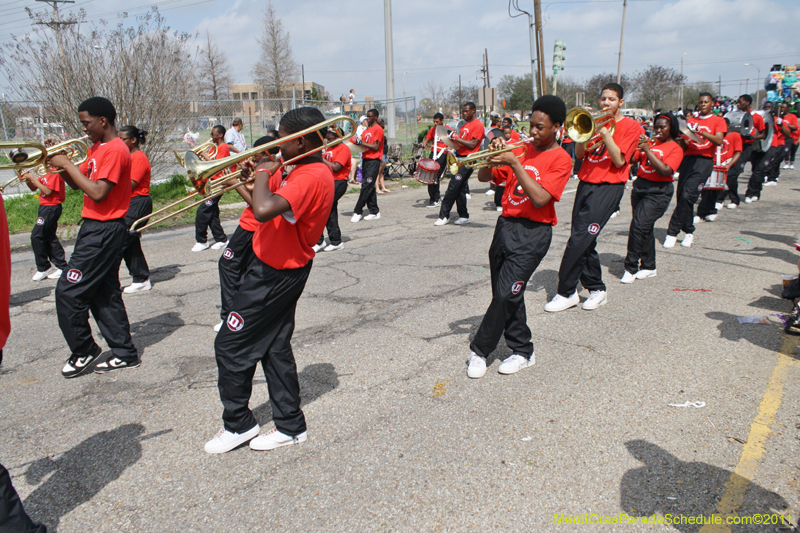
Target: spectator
<point>234,138</point>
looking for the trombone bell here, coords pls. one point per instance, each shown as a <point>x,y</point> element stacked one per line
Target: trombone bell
<point>583,126</point>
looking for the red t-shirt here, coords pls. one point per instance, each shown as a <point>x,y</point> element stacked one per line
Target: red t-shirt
<point>286,241</point>
<point>223,151</point>
<point>758,127</point>
<point>140,173</point>
<point>55,183</point>
<point>731,144</point>
<point>248,220</point>
<point>110,161</point>
<point>340,154</point>
<point>792,119</point>
<point>439,145</point>
<point>597,165</point>
<point>468,132</point>
<point>778,139</point>
<point>551,170</point>
<point>709,124</point>
<point>372,135</point>
<point>671,154</point>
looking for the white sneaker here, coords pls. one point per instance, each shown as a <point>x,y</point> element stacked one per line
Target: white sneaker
<point>435,204</point>
<point>770,184</point>
<point>39,276</point>
<point>559,303</point>
<point>219,245</point>
<point>200,246</point>
<point>356,218</point>
<point>490,192</point>
<point>670,241</point>
<point>710,218</point>
<point>595,300</point>
<point>687,241</point>
<point>731,206</point>
<point>276,439</point>
<point>372,217</point>
<point>333,247</point>
<point>644,274</point>
<point>754,198</point>
<point>514,363</point>
<point>55,275</point>
<point>476,366</point>
<point>318,247</point>
<point>717,206</point>
<point>441,221</point>
<point>615,214</point>
<point>461,221</point>
<point>218,327</point>
<point>696,220</point>
<point>225,441</point>
<point>791,167</point>
<point>627,277</point>
<point>137,287</point>
<point>469,197</point>
<point>748,199</point>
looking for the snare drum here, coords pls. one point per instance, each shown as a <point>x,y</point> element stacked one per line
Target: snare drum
<point>427,169</point>
<point>717,180</point>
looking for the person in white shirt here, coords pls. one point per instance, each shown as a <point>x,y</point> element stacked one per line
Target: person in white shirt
<point>351,98</point>
<point>234,138</point>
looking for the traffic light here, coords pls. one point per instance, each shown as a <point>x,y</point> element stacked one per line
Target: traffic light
<point>558,55</point>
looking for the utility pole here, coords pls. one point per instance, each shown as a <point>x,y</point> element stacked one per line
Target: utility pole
<point>537,15</point>
<point>56,23</point>
<point>719,86</point>
<point>303,77</point>
<point>621,38</point>
<point>682,79</point>
<point>533,57</point>
<point>485,71</point>
<point>460,100</point>
<point>387,31</point>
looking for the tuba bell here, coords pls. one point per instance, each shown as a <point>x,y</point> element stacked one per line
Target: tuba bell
<point>583,125</point>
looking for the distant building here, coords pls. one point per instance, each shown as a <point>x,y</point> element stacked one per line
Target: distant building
<point>253,91</point>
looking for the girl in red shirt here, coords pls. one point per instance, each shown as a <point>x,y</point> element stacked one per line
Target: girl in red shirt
<point>44,241</point>
<point>338,158</point>
<point>141,206</point>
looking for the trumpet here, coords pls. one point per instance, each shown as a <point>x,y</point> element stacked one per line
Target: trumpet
<point>200,172</point>
<point>198,149</point>
<point>583,126</point>
<point>649,140</point>
<point>76,149</point>
<point>480,159</point>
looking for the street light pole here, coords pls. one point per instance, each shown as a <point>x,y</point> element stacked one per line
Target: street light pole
<point>405,104</point>
<point>621,38</point>
<point>682,80</point>
<point>387,30</point>
<point>758,87</point>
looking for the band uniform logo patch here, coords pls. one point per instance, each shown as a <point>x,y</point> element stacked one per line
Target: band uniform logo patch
<point>228,253</point>
<point>458,177</point>
<point>594,228</point>
<point>517,286</point>
<point>74,275</point>
<point>369,180</point>
<point>209,203</point>
<point>700,187</point>
<point>39,221</point>
<point>235,321</point>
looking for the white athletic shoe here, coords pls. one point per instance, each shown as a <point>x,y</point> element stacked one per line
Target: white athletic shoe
<point>717,206</point>
<point>39,276</point>
<point>356,218</point>
<point>333,247</point>
<point>276,439</point>
<point>200,246</point>
<point>219,245</point>
<point>731,206</point>
<point>710,218</point>
<point>490,192</point>
<point>615,214</point>
<point>499,209</point>
<point>748,199</point>
<point>754,198</point>
<point>461,221</point>
<point>696,220</point>
<point>376,216</point>
<point>644,274</point>
<point>441,221</point>
<point>559,303</point>
<point>627,278</point>
<point>55,275</point>
<point>595,300</point>
<point>218,326</point>
<point>138,287</point>
<point>687,241</point>
<point>469,197</point>
<point>770,184</point>
<point>225,441</point>
<point>318,247</point>
<point>476,366</point>
<point>791,167</point>
<point>670,241</point>
<point>514,363</point>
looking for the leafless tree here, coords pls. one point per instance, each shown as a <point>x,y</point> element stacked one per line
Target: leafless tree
<point>435,96</point>
<point>213,73</point>
<point>656,84</point>
<point>140,65</point>
<point>593,86</point>
<point>276,69</point>
<point>457,96</point>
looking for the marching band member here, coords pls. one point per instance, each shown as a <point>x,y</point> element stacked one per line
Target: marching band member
<point>602,177</point>
<point>92,281</point>
<point>511,137</point>
<point>522,235</point>
<point>757,133</point>
<point>469,138</point>
<point>372,138</point>
<point>260,324</point>
<point>695,169</point>
<point>208,212</point>
<point>46,247</point>
<point>729,154</point>
<point>651,194</point>
<point>338,158</point>
<point>762,161</point>
<point>433,140</point>
<point>141,206</point>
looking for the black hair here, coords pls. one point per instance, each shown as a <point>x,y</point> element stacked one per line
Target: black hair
<point>439,116</point>
<point>616,87</point>
<point>269,137</point>
<point>302,118</point>
<point>97,106</point>
<point>220,129</point>
<point>470,105</point>
<point>508,119</point>
<point>674,130</point>
<point>552,106</point>
<point>375,111</point>
<point>727,121</point>
<point>702,94</point>
<point>139,135</point>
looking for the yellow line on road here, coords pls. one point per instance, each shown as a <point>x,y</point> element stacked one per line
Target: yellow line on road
<point>752,451</point>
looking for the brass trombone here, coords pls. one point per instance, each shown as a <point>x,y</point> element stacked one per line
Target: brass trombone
<point>200,172</point>
<point>17,180</point>
<point>480,159</point>
<point>583,126</point>
<point>198,149</point>
<point>19,159</point>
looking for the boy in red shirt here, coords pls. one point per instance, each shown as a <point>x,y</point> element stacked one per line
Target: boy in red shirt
<point>259,327</point>
<point>438,147</point>
<point>469,138</point>
<point>756,134</point>
<point>762,166</point>
<point>208,212</point>
<point>522,236</point>
<point>372,138</point>
<point>92,281</point>
<point>602,176</point>
<point>788,123</point>
<point>728,154</point>
<point>44,241</point>
<point>695,169</point>
<point>338,158</point>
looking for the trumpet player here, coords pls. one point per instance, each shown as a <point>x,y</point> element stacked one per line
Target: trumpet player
<point>208,212</point>
<point>47,250</point>
<point>141,206</point>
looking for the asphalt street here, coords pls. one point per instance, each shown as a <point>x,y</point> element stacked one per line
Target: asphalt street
<point>399,438</point>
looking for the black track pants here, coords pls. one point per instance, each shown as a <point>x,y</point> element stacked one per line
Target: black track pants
<point>594,205</point>
<point>208,216</point>
<point>733,177</point>
<point>368,196</point>
<point>649,201</point>
<point>518,246</point>
<point>141,206</point>
<point>434,191</point>
<point>782,155</point>
<point>233,263</point>
<point>499,190</point>
<point>456,194</point>
<point>761,167</point>
<point>332,226</point>
<point>13,518</point>
<point>259,329</point>
<point>91,283</point>
<point>694,171</point>
<point>44,241</point>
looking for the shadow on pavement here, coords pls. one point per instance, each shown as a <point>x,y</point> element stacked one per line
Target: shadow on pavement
<point>614,262</point>
<point>543,279</point>
<point>164,273</point>
<point>460,327</point>
<point>762,335</point>
<point>665,485</point>
<point>315,381</point>
<point>151,331</point>
<point>774,237</point>
<point>26,297</point>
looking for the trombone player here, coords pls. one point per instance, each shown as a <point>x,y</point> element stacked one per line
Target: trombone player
<point>208,212</point>
<point>47,250</point>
